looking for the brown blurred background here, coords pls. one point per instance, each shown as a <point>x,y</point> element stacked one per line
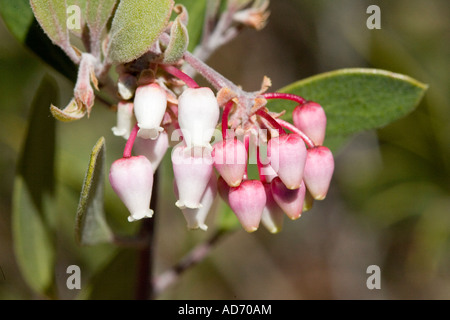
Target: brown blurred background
<point>389,202</point>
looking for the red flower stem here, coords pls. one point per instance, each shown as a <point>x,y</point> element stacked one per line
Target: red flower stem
<point>284,96</point>
<point>226,112</point>
<point>296,130</point>
<point>247,145</point>
<point>130,142</point>
<point>271,120</point>
<point>180,75</point>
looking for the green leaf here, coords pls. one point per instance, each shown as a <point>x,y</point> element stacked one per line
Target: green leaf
<point>52,16</point>
<point>20,20</point>
<point>355,100</point>
<point>98,13</point>
<point>91,226</point>
<point>33,195</point>
<point>179,40</point>
<point>136,26</point>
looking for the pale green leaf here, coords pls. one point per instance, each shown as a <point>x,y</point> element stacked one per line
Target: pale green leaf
<point>98,13</point>
<point>33,195</point>
<point>91,226</point>
<point>179,40</point>
<point>52,16</point>
<point>355,100</point>
<point>136,26</point>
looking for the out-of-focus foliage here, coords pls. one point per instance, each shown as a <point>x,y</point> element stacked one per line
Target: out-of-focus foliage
<point>388,205</point>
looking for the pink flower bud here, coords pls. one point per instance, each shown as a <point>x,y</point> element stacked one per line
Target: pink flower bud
<point>192,174</point>
<point>132,180</point>
<point>150,102</point>
<point>196,218</point>
<point>230,160</point>
<point>247,201</point>
<point>287,154</point>
<point>291,201</point>
<point>311,119</point>
<point>125,120</point>
<point>198,114</point>
<point>83,92</point>
<point>154,150</point>
<point>318,171</point>
<point>272,216</point>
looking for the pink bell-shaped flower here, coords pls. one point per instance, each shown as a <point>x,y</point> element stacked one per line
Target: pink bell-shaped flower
<point>248,201</point>
<point>196,218</point>
<point>318,171</point>
<point>125,119</point>
<point>132,180</point>
<point>230,160</point>
<point>272,216</point>
<point>287,155</point>
<point>311,119</point>
<point>290,201</point>
<point>192,174</point>
<point>150,102</point>
<point>154,150</point>
<point>198,114</point>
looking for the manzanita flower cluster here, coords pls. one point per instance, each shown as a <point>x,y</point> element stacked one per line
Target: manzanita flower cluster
<point>211,155</point>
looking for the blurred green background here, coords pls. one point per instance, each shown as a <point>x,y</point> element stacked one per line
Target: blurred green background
<point>389,202</point>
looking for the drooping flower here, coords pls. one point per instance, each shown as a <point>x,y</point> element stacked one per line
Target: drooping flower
<point>290,201</point>
<point>125,119</point>
<point>132,180</point>
<point>287,155</point>
<point>247,201</point>
<point>150,102</point>
<point>230,160</point>
<point>272,216</point>
<point>195,218</point>
<point>198,114</point>
<point>192,173</point>
<point>311,119</point>
<point>154,150</point>
<point>318,171</point>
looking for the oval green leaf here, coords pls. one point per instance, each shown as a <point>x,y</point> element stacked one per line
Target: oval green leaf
<point>355,100</point>
<point>179,40</point>
<point>32,216</point>
<point>91,226</point>
<point>52,17</point>
<point>197,11</point>
<point>136,26</point>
